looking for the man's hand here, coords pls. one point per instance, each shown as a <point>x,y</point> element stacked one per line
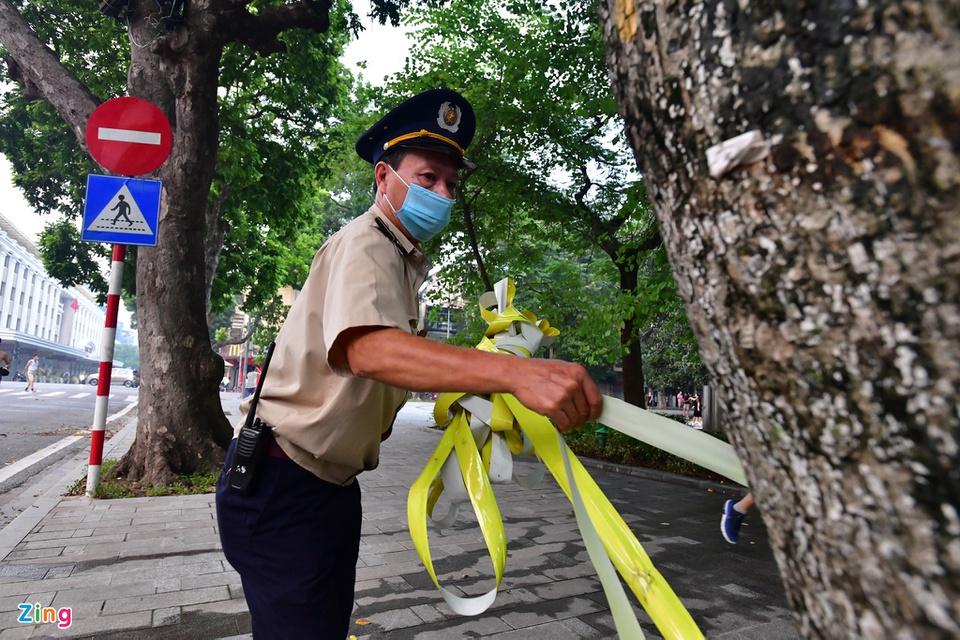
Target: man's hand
<point>562,391</point>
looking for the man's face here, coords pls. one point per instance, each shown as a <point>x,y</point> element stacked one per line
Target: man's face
<point>430,169</point>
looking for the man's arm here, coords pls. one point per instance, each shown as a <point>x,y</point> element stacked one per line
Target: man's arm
<point>560,390</point>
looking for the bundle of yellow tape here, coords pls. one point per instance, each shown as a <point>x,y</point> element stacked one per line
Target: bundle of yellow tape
<point>483,434</point>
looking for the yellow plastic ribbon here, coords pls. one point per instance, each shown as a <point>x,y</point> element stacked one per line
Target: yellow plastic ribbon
<point>477,447</point>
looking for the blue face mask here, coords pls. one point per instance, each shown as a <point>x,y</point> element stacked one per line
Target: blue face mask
<point>424,213</point>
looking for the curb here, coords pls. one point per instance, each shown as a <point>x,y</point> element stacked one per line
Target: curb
<point>731,489</point>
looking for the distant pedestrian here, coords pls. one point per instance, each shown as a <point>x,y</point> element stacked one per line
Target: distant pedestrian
<point>733,515</point>
<point>649,398</point>
<point>682,402</point>
<point>4,363</point>
<point>31,369</point>
<point>250,383</point>
<point>697,408</point>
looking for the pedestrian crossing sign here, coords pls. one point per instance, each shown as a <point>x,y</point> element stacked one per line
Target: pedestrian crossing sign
<point>121,210</point>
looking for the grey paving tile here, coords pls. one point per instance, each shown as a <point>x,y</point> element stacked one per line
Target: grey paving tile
<point>550,630</point>
<point>162,600</point>
<point>545,612</point>
<point>394,619</point>
<point>463,628</point>
<point>229,606</point>
<point>127,622</point>
<point>166,616</point>
<point>105,592</point>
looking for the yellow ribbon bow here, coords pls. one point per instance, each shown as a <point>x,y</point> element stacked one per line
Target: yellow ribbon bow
<point>476,449</point>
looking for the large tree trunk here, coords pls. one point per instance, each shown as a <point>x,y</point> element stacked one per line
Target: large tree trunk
<point>822,280</point>
<point>181,427</point>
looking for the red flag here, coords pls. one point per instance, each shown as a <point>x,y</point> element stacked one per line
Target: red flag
<point>75,305</point>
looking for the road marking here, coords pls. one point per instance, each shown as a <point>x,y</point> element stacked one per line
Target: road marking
<point>79,395</point>
<point>23,393</point>
<point>128,135</point>
<point>131,398</point>
<point>14,468</point>
<point>53,394</point>
<point>5,390</point>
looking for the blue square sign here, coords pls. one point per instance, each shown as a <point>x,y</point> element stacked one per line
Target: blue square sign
<point>121,210</point>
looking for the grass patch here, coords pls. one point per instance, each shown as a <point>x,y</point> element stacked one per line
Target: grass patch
<point>110,488</point>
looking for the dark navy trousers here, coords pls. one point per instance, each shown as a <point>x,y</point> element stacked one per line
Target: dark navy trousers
<point>294,540</point>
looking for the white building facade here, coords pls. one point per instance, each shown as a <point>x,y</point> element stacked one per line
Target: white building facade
<point>38,314</point>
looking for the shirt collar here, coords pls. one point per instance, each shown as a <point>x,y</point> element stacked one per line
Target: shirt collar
<point>407,248</point>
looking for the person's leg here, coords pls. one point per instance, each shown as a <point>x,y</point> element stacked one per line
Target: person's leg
<point>733,515</point>
<point>294,541</point>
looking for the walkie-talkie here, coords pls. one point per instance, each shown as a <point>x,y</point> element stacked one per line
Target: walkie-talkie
<point>252,441</point>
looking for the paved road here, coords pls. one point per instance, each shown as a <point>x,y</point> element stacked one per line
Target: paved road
<point>32,421</point>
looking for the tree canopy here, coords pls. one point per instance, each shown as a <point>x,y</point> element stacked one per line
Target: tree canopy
<point>556,201</point>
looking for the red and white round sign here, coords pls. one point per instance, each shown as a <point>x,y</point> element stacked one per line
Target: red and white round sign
<point>129,136</point>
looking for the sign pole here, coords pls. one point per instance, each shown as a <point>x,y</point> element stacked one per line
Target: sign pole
<point>131,137</point>
<point>106,370</point>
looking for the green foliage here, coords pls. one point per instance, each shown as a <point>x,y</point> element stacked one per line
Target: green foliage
<point>128,354</point>
<point>556,202</point>
<point>670,355</point>
<point>68,259</point>
<point>277,115</point>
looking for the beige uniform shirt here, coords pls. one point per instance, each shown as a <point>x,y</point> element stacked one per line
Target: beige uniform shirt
<point>331,422</point>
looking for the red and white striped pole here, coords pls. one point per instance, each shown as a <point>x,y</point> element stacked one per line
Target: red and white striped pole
<point>106,370</point>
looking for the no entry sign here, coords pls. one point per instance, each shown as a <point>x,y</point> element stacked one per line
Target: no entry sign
<point>129,136</point>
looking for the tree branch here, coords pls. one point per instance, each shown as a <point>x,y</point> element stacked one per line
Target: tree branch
<point>651,243</point>
<point>41,74</point>
<point>259,32</point>
<point>472,234</point>
<point>253,328</point>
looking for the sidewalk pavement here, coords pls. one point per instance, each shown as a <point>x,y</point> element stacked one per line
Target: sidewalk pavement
<point>151,568</point>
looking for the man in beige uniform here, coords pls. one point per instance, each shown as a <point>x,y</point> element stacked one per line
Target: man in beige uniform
<point>344,361</point>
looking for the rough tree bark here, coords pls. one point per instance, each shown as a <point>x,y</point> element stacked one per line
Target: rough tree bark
<point>181,426</point>
<point>821,281</point>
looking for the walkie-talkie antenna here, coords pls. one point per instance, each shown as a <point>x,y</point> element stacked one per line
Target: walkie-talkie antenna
<point>256,394</point>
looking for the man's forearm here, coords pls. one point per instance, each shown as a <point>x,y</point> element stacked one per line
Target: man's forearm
<point>417,364</point>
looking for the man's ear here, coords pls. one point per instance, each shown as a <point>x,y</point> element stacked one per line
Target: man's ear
<point>380,175</point>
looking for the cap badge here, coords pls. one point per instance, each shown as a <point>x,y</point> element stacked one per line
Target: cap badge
<point>448,117</point>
